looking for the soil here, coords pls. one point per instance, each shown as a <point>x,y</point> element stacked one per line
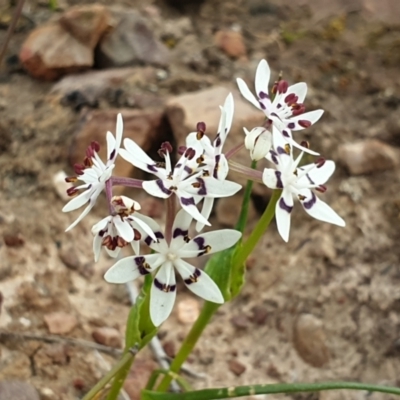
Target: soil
<point>325,306</point>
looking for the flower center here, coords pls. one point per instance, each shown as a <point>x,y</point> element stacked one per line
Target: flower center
<point>171,256</point>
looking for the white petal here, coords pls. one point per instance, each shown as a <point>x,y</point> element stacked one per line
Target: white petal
<point>210,242</point>
<point>78,201</point>
<point>229,108</point>
<point>97,241</point>
<point>127,269</point>
<point>263,74</point>
<point>246,93</point>
<point>154,227</point>
<point>162,294</point>
<point>205,212</point>
<point>318,209</point>
<point>111,150</point>
<point>156,188</point>
<point>199,282</point>
<point>312,117</point>
<point>124,229</point>
<point>137,157</point>
<point>188,204</point>
<point>118,132</point>
<point>299,89</point>
<point>136,246</point>
<point>319,176</point>
<point>221,168</point>
<point>272,178</point>
<point>101,225</point>
<point>283,209</point>
<point>302,148</point>
<point>113,253</point>
<point>137,222</point>
<point>85,212</point>
<point>215,188</point>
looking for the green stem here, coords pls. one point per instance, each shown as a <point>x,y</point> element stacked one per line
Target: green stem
<point>119,380</point>
<point>126,359</point>
<point>188,344</point>
<point>239,391</point>
<point>241,224</point>
<point>259,230</point>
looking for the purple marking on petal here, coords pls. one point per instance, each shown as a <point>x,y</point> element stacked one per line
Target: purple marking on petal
<point>143,270</point>
<point>291,125</point>
<point>148,240</point>
<point>163,286</point>
<point>160,184</point>
<point>278,106</point>
<point>139,261</point>
<point>310,203</point>
<point>281,150</point>
<point>218,141</point>
<point>284,206</point>
<point>200,242</point>
<point>187,201</point>
<point>188,169</point>
<point>263,95</point>
<point>310,180</point>
<point>193,278</point>
<point>158,235</point>
<point>112,155</point>
<point>273,156</point>
<point>279,183</point>
<point>202,189</point>
<point>178,165</point>
<point>151,168</point>
<point>262,105</point>
<point>285,133</point>
<point>179,232</point>
<point>215,172</point>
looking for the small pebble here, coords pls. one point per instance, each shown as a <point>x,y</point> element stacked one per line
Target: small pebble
<point>236,367</point>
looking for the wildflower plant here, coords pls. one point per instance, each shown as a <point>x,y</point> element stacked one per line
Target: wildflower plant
<point>189,188</point>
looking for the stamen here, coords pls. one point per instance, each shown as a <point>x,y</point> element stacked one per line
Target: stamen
<point>190,153</point>
<point>321,188</point>
<point>137,235</point>
<point>78,168</point>
<point>95,146</point>
<point>164,149</point>
<point>304,123</point>
<point>320,162</point>
<point>287,148</point>
<point>71,179</point>
<point>305,144</point>
<point>72,191</point>
<point>181,150</point>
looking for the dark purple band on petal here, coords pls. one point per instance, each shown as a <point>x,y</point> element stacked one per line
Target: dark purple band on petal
<point>278,106</point>
<point>193,278</point>
<point>263,95</point>
<point>285,133</point>
<point>188,169</point>
<point>281,150</point>
<point>291,125</point>
<point>202,188</point>
<point>112,155</point>
<point>187,201</point>
<point>279,183</point>
<point>160,184</point>
<point>310,180</point>
<point>218,141</point>
<point>164,287</point>
<point>284,206</point>
<point>215,172</point>
<point>262,105</point>
<point>148,240</point>
<point>200,242</point>
<point>310,203</point>
<point>179,232</point>
<point>273,156</point>
<point>151,168</point>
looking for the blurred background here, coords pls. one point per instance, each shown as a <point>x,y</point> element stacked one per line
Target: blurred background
<point>325,306</point>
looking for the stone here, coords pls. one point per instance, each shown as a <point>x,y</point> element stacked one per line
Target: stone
<point>240,321</point>
<point>188,311</point>
<point>50,52</point>
<point>86,23</point>
<point>13,239</point>
<point>231,43</point>
<point>59,322</point>
<point>17,390</point>
<point>142,126</point>
<point>368,156</point>
<point>130,42</point>
<point>236,367</point>
<point>185,111</point>
<point>259,315</point>
<point>310,340</point>
<point>107,336</point>
<point>169,348</point>
<point>138,376</point>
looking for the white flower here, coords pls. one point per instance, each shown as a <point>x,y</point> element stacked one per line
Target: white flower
<point>116,231</point>
<point>169,256</point>
<point>94,173</point>
<point>297,182</point>
<point>213,161</point>
<point>185,180</point>
<point>258,141</point>
<point>286,111</point>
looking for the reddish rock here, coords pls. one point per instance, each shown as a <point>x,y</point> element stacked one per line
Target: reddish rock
<point>188,311</point>
<point>17,390</point>
<point>107,336</point>
<point>13,240</point>
<point>231,43</point>
<point>130,42</point>
<point>236,367</point>
<point>86,23</point>
<point>138,377</point>
<point>240,321</point>
<point>139,125</point>
<point>368,156</point>
<point>59,323</point>
<point>169,348</point>
<point>310,340</point>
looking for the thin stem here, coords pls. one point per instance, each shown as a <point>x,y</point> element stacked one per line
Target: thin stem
<point>262,225</point>
<point>125,360</point>
<point>241,224</point>
<point>109,195</point>
<point>127,182</point>
<point>246,171</point>
<point>169,221</point>
<point>119,380</point>
<point>229,154</point>
<point>252,390</point>
<point>188,344</point>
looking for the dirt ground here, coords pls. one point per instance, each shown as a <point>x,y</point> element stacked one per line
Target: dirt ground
<point>325,306</point>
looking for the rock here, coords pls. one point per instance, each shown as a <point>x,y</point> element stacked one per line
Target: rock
<point>240,321</point>
<point>310,340</point>
<point>188,311</point>
<point>231,43</point>
<point>13,240</point>
<point>367,157</point>
<point>139,125</point>
<point>47,394</point>
<point>260,315</point>
<point>59,323</point>
<point>50,52</point>
<point>17,390</point>
<point>130,42</point>
<point>60,186</point>
<point>236,367</point>
<point>86,23</point>
<point>14,365</point>
<point>138,376</point>
<point>185,111</point>
<point>169,348</point>
<point>107,336</point>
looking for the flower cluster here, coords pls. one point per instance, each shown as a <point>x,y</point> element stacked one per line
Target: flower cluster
<point>199,177</point>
